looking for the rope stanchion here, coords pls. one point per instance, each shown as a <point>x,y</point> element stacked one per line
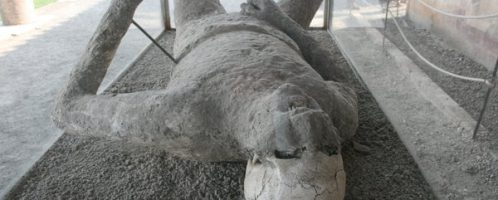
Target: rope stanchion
<point>455,15</point>
<point>479,80</point>
<point>486,100</point>
<point>490,83</point>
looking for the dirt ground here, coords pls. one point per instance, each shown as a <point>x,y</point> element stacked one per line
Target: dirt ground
<point>469,95</point>
<point>79,167</point>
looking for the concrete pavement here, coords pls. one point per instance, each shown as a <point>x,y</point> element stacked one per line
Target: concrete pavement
<point>35,61</point>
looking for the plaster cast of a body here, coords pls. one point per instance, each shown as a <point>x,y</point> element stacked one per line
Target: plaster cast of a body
<point>252,86</point>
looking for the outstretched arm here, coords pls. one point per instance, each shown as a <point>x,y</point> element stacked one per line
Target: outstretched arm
<point>80,110</point>
<point>319,58</point>
<point>89,72</point>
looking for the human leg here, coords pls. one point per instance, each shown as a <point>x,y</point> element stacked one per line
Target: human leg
<point>301,11</point>
<point>186,10</point>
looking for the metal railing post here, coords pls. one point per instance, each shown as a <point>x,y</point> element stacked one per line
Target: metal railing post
<point>492,86</point>
<point>327,14</point>
<point>166,19</point>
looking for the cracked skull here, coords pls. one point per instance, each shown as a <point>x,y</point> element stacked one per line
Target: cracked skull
<point>306,163</point>
<point>312,176</point>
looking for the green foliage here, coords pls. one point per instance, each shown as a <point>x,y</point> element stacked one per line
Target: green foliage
<point>41,3</point>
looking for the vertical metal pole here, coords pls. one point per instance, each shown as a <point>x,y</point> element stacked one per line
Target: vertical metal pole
<point>398,4</point>
<point>330,20</point>
<point>486,100</point>
<point>327,13</point>
<point>166,19</point>
<point>385,25</point>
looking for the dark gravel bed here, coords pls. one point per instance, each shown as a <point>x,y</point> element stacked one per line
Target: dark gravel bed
<point>469,95</point>
<point>77,167</point>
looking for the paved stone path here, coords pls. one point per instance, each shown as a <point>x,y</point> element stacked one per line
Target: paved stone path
<point>35,61</point>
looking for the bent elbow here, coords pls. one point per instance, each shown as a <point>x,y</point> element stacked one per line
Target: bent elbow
<point>58,114</point>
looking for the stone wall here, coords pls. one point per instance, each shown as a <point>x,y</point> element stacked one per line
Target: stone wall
<point>478,38</point>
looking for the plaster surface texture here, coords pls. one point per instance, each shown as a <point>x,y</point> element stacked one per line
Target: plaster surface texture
<point>35,60</point>
<point>242,90</point>
<point>234,6</point>
<point>435,129</point>
<point>87,167</point>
